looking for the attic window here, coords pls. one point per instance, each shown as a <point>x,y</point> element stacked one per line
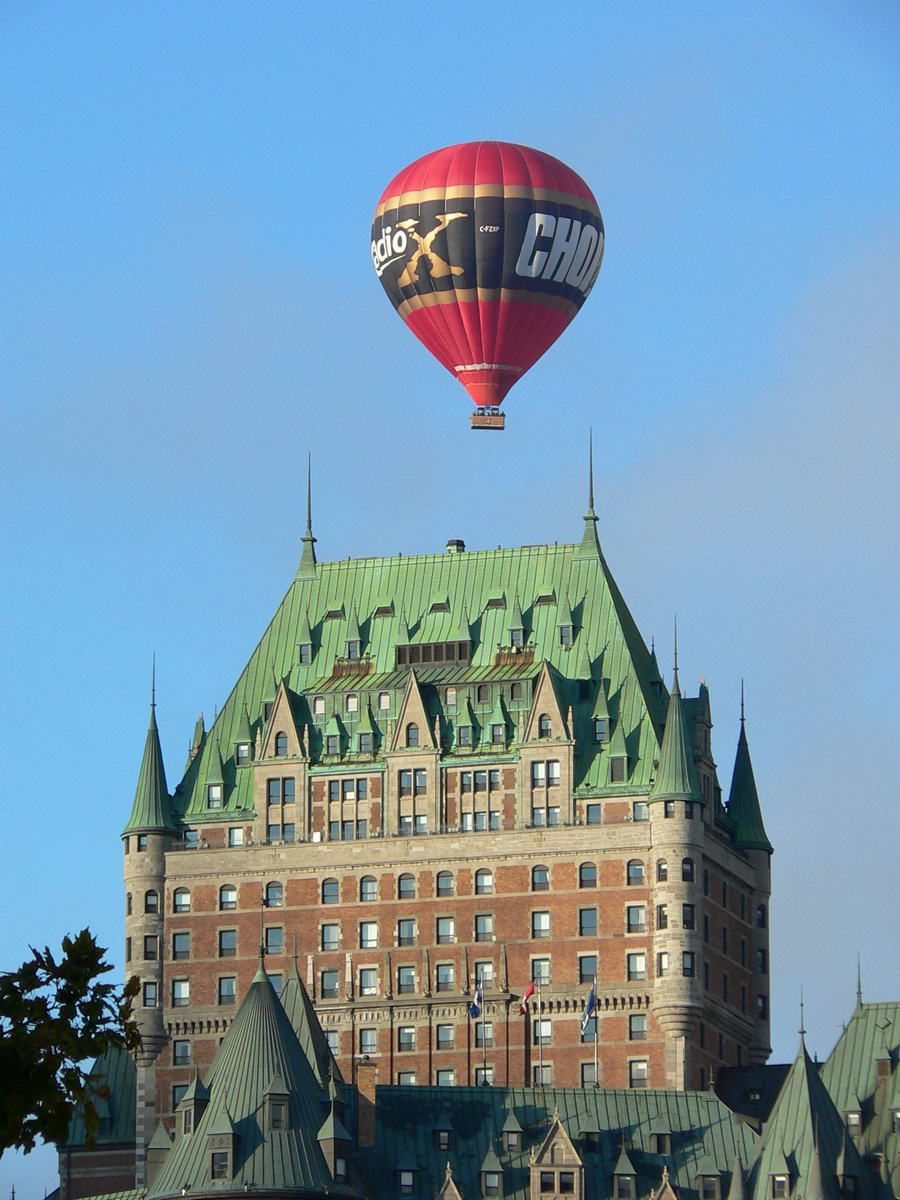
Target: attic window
<point>662,1143</point>
<point>353,648</point>
<point>517,637</point>
<point>709,1187</point>
<point>496,602</point>
<point>601,729</point>
<point>512,1140</point>
<point>624,1189</point>
<point>895,1120</point>
<point>853,1120</point>
<point>214,795</point>
<point>304,652</point>
<point>242,753</point>
<point>490,1183</point>
<point>440,606</point>
<point>545,598</point>
<point>618,768</point>
<point>566,635</point>
<point>407,1181</point>
<point>333,614</point>
<point>779,1187</point>
<point>384,610</point>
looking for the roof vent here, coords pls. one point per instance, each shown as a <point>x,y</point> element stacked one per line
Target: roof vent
<point>456,546</point>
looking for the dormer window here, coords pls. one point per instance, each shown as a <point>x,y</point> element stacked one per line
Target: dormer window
<point>281,745</point>
<point>662,1143</point>
<point>220,1165</point>
<point>709,1187</point>
<point>618,768</point>
<point>779,1187</point>
<point>624,1187</point>
<point>214,795</point>
<point>512,1140</point>
<point>601,729</point>
<point>895,1120</point>
<point>319,706</point>
<point>407,1182</point>
<point>566,635</point>
<point>187,1120</point>
<point>384,700</point>
<point>242,753</point>
<point>304,653</point>
<point>351,702</point>
<point>517,638</point>
<point>490,1183</point>
<point>412,735</point>
<point>442,1139</point>
<point>332,744</point>
<point>498,735</point>
<point>483,693</point>
<point>543,725</point>
<point>365,743</point>
<point>464,735</point>
<point>353,647</point>
<point>853,1121</point>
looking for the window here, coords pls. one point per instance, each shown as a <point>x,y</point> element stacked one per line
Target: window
<point>406,1078</point>
<point>445,1078</point>
<point>412,734</point>
<point>593,814</point>
<point>151,901</point>
<point>277,981</point>
<point>274,939</point>
<point>762,1007</point>
<point>587,875</point>
<point>517,638</point>
<point>368,981</point>
<point>406,979</point>
<point>587,922</point>
<point>128,949</point>
<point>662,870</point>
<point>445,931</point>
<point>687,870</point>
<point>181,946</point>
<point>662,916</point>
<point>760,916</point>
<point>484,975</point>
<point>483,693</point>
<point>637,1027</point>
<point>304,653</point>
<point>368,888</point>
<point>227,897</point>
<point>540,924</point>
<point>150,996</point>
<point>724,939</point>
<point>331,936</point>
<point>484,882</point>
<point>498,735</point>
<point>181,1053</point>
<point>542,1031</point>
<point>512,1139</point>
<point>328,983</point>
<point>406,887</point>
<point>235,837</point>
<point>540,971</point>
<point>618,768</point>
<point>141,842</point>
<point>724,894</point>
<point>368,935</point>
<point>274,897</point>
<point>331,892</point>
<point>445,1037</point>
<point>406,1037</point>
<point>540,879</point>
<point>384,701</point>
<point>319,706</point>
<point>542,1076</point>
<point>640,810</point>
<point>662,963</point>
<point>484,927</point>
<point>450,696</point>
<point>635,918</point>
<point>687,916</point>
<point>705,882</point>
<point>445,976</point>
<point>688,963</point>
<point>779,1187</point>
<point>181,993</point>
<point>366,743</point>
<point>635,872</point>
<point>406,932</point>
<point>484,1034</point>
<point>588,1075</point>
<point>227,991</point>
<point>218,1168</point>
<point>709,1187</point>
<point>637,1073</point>
<point>214,795</point>
<point>637,965</point>
<point>351,702</point>
<point>332,743</point>
<point>464,735</point>
<point>181,900</point>
<point>151,947</point>
<point>587,968</point>
<point>281,745</point>
<point>368,1041</point>
<point>566,635</point>
<point>669,808</point>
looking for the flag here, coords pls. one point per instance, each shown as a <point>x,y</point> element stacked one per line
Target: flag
<point>475,1006</point>
<point>529,992</point>
<point>590,1007</point>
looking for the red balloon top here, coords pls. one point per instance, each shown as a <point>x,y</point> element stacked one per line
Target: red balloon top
<point>473,163</point>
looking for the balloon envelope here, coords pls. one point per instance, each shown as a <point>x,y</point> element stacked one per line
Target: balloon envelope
<point>487,250</point>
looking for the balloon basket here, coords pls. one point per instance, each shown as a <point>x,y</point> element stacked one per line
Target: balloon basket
<point>488,418</point>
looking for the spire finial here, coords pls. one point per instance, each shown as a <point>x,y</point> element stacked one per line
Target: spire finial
<point>675,619</point>
<point>308,492</point>
<point>308,556</point>
<point>153,684</point>
<point>590,545</point>
<point>859,998</point>
<point>802,1022</point>
<point>590,469</point>
<point>742,702</point>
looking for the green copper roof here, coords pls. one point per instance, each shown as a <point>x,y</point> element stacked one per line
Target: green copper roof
<point>743,801</point>
<point>676,775</point>
<point>259,1045</point>
<point>115,1070</point>
<point>151,810</point>
<point>302,1016</point>
<point>805,1131</point>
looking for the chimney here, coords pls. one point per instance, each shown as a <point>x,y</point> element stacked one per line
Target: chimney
<point>456,546</point>
<point>366,1078</point>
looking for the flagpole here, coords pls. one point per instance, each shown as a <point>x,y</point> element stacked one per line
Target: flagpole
<point>540,1035</point>
<point>596,1052</point>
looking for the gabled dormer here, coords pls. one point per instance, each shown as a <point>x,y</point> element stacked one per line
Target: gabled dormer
<point>220,1145</point>
<point>515,626</point>
<point>498,723</point>
<point>624,1177</point>
<point>413,728</point>
<point>214,781</point>
<point>243,740</point>
<point>599,731</point>
<point>305,648</point>
<point>490,1174</point>
<point>466,729</point>
<point>545,721</point>
<point>557,1169</point>
<point>565,625</point>
<point>618,767</point>
<point>191,1107</point>
<point>335,740</point>
<point>281,739</point>
<point>665,1191</point>
<point>352,647</point>
<point>512,1134</point>
<point>449,1189</point>
<point>275,1113</point>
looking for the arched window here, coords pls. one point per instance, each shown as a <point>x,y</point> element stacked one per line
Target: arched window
<point>128,904</point>
<point>351,703</point>
<point>368,888</point>
<point>280,745</point>
<point>151,901</point>
<point>543,725</point>
<point>412,734</point>
<point>587,875</point>
<point>445,883</point>
<point>181,900</point>
<point>331,891</point>
<point>227,896</point>
<point>635,872</point>
<point>384,700</point>
<point>483,694</point>
<point>540,879</point>
<point>687,870</point>
<point>406,887</point>
<point>274,895</point>
<point>484,882</point>
<point>318,706</point>
<point>662,870</point>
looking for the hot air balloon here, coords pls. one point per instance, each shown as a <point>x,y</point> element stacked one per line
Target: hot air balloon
<point>487,250</point>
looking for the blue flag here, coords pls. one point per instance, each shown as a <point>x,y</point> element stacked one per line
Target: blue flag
<point>590,1007</point>
<point>475,1006</point>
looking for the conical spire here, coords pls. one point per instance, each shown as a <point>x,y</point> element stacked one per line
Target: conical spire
<point>151,809</point>
<point>299,1009</point>
<point>307,568</point>
<point>199,737</point>
<point>244,732</point>
<point>676,775</point>
<point>590,543</point>
<point>737,1188</point>
<point>743,801</point>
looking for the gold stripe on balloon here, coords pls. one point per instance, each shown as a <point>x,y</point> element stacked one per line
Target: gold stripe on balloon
<point>471,295</point>
<point>467,192</point>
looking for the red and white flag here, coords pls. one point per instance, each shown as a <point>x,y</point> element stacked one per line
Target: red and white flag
<point>529,992</point>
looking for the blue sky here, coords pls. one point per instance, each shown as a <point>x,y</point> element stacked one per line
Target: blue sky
<point>189,305</point>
